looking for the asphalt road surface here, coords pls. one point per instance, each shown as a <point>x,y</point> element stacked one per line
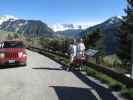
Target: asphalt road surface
<point>44,79</point>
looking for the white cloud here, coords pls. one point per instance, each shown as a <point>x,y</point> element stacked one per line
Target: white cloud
<point>76,25</point>
<point>6,18</point>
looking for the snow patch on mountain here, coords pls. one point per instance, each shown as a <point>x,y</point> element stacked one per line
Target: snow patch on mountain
<point>63,27</point>
<point>115,19</point>
<point>6,18</point>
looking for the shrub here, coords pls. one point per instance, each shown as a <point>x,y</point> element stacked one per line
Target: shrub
<point>112,61</point>
<point>128,93</point>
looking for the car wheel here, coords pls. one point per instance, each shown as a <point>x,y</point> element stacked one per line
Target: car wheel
<point>23,64</point>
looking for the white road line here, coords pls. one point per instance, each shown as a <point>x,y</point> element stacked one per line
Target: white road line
<point>95,94</point>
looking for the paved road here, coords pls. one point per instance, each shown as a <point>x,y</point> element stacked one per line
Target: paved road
<point>44,79</point>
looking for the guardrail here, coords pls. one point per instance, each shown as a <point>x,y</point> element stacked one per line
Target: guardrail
<point>115,75</point>
<point>46,50</point>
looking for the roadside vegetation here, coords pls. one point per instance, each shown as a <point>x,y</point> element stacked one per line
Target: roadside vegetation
<point>6,35</point>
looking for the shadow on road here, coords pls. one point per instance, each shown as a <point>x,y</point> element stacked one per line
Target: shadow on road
<point>73,93</point>
<point>11,66</point>
<point>104,93</point>
<point>47,68</point>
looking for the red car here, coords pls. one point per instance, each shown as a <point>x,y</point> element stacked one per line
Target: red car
<point>13,53</point>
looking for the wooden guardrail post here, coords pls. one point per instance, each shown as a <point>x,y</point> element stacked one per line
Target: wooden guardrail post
<point>132,58</point>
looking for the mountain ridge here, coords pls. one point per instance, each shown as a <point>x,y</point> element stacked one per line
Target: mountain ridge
<point>26,27</point>
<point>109,29</point>
<point>37,27</point>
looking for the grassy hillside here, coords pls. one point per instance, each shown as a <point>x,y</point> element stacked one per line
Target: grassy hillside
<point>4,34</point>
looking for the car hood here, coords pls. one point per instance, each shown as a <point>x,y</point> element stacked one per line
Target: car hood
<point>12,49</point>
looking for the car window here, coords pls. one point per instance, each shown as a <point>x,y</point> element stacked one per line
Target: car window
<point>12,44</point>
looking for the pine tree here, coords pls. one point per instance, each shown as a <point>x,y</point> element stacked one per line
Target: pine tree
<point>92,38</point>
<point>126,32</point>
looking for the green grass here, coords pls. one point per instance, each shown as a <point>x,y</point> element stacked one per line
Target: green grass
<point>128,93</point>
<point>113,84</point>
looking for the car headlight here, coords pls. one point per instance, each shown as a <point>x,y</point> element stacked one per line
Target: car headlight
<point>2,55</point>
<point>21,54</point>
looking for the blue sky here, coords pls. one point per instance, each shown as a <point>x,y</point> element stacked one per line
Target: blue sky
<point>63,11</point>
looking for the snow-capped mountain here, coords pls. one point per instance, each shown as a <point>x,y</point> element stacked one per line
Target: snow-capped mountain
<point>27,27</point>
<point>113,20</point>
<point>6,18</point>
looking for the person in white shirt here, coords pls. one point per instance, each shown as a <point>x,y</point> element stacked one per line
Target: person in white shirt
<point>73,50</point>
<point>80,48</point>
<point>81,52</point>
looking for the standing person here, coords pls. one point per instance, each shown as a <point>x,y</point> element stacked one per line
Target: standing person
<point>81,52</point>
<point>80,48</point>
<point>72,51</point>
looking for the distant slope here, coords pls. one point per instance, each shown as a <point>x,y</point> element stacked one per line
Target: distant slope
<point>4,34</point>
<point>73,33</point>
